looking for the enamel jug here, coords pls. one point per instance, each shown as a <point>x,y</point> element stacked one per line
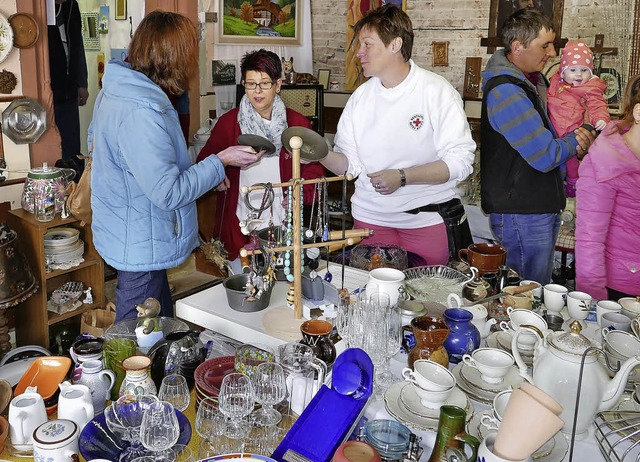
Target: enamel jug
<point>45,179</point>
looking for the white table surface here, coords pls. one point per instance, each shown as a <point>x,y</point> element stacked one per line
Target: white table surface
<point>209,309</point>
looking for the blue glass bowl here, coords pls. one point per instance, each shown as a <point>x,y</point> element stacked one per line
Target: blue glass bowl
<point>98,442</point>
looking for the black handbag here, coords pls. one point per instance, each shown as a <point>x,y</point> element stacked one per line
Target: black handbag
<point>455,220</point>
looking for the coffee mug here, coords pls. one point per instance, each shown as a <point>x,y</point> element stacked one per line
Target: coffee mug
<point>26,413</point>
<point>578,304</point>
<point>606,306</point>
<point>484,256</point>
<point>386,280</point>
<point>555,297</point>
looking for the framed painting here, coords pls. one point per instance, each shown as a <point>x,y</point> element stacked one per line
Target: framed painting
<point>121,9</point>
<point>223,72</point>
<point>324,75</point>
<point>613,93</point>
<point>502,9</point>
<point>260,22</point>
<point>90,37</point>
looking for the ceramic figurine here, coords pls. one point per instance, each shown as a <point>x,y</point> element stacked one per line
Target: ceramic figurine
<point>88,297</point>
<point>148,331</point>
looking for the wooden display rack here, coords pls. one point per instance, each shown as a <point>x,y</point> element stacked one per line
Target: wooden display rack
<point>337,239</point>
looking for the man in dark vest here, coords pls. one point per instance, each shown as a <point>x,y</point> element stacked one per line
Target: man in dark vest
<point>521,160</point>
<point>68,68</point>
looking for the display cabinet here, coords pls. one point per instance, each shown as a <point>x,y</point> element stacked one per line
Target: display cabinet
<point>32,320</point>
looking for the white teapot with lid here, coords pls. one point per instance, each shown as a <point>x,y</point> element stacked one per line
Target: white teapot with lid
<point>556,369</point>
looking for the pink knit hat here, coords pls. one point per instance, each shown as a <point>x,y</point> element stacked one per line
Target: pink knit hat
<point>576,54</point>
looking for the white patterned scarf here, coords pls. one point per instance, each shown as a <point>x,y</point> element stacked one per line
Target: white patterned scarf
<point>252,123</point>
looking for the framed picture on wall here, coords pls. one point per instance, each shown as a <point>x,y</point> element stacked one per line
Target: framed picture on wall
<point>502,9</point>
<point>223,72</point>
<point>121,9</point>
<point>90,37</point>
<point>260,22</point>
<point>324,75</point>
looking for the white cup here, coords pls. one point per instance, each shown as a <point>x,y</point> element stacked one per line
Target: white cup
<point>386,280</point>
<point>429,375</point>
<point>500,402</point>
<point>492,363</point>
<point>432,399</point>
<point>555,297</point>
<point>537,292</point>
<point>606,306</point>
<point>630,306</point>
<point>622,343</point>
<point>26,413</point>
<point>485,451</point>
<point>578,304</point>
<point>618,321</point>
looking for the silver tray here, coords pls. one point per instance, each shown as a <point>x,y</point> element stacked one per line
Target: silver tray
<point>24,121</point>
<point>434,271</point>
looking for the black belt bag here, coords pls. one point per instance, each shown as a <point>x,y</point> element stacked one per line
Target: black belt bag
<point>455,220</point>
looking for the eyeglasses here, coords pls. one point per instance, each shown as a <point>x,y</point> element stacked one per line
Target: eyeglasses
<point>254,85</point>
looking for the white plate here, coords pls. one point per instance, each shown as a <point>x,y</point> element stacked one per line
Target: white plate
<point>472,377</point>
<point>396,409</point>
<point>411,401</point>
<point>64,250</point>
<point>6,38</point>
<point>477,394</point>
<point>58,237</point>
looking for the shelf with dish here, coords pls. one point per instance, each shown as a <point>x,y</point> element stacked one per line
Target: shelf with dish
<point>32,318</point>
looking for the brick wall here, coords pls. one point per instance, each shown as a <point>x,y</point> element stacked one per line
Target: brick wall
<point>462,23</point>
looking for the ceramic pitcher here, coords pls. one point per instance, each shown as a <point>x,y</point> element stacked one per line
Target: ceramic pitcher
<point>26,413</point>
<point>430,333</point>
<point>75,403</point>
<point>99,380</point>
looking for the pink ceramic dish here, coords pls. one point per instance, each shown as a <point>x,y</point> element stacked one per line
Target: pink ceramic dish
<point>208,375</point>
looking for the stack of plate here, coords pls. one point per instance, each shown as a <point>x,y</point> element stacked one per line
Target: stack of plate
<point>208,377</point>
<point>63,245</point>
<point>470,382</point>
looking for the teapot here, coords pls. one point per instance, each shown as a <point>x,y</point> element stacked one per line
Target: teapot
<point>476,288</point>
<point>556,368</point>
<point>46,178</point>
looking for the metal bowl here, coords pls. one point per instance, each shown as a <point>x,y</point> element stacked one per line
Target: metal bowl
<point>237,298</point>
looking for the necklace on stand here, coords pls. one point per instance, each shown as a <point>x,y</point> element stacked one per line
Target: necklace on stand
<point>288,237</point>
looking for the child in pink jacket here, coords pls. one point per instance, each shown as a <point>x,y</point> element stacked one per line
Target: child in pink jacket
<point>571,87</point>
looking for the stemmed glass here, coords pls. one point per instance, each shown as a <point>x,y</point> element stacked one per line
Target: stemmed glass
<point>269,388</point>
<point>160,428</point>
<point>174,390</point>
<point>210,423</point>
<point>182,453</point>
<point>236,401</point>
<point>393,339</point>
<point>124,419</point>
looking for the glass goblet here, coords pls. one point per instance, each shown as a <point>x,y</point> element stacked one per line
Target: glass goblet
<point>210,423</point>
<point>124,419</point>
<point>182,453</point>
<point>270,388</point>
<point>236,401</point>
<point>160,428</point>
<point>174,390</point>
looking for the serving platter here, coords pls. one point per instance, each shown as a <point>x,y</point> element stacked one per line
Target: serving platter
<point>434,283</point>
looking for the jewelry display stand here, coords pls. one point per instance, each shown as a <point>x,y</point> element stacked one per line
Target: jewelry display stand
<point>277,323</point>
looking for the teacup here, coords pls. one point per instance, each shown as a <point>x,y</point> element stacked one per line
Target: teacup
<point>555,297</point>
<point>429,375</point>
<point>492,363</point>
<point>492,421</point>
<point>617,321</point>
<point>432,399</point>
<point>578,304</point>
<point>537,292</point>
<point>630,306</point>
<point>606,306</point>
<point>623,343</point>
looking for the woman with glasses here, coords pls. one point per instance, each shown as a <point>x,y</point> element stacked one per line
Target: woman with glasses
<point>260,112</point>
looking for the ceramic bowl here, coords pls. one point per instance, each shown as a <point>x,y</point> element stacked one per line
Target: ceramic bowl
<point>97,441</point>
<point>46,373</point>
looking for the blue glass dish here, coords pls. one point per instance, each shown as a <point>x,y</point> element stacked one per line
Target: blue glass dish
<point>98,442</point>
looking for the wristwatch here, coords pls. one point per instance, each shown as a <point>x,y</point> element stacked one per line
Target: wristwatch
<point>403,178</point>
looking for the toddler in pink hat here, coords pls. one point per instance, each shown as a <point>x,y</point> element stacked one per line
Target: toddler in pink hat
<point>572,88</point>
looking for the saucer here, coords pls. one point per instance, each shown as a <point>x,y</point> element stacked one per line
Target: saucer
<point>504,341</point>
<point>477,394</point>
<point>411,401</point>
<point>553,450</point>
<point>473,377</point>
<point>395,408</point>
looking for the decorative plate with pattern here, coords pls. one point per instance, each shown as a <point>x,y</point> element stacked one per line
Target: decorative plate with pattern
<point>6,38</point>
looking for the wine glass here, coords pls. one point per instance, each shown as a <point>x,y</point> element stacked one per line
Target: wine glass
<point>393,339</point>
<point>210,423</point>
<point>160,429</point>
<point>174,390</point>
<point>269,388</point>
<point>235,401</point>
<point>124,419</point>
<point>182,453</point>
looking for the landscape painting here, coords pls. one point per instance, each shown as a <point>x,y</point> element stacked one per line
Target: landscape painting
<point>275,22</point>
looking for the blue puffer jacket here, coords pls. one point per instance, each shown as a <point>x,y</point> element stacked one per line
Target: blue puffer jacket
<point>143,185</point>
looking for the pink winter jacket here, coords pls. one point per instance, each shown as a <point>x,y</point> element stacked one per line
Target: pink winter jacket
<point>608,218</point>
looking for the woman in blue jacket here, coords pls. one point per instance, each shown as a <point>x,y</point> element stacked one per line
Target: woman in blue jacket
<point>143,184</point>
